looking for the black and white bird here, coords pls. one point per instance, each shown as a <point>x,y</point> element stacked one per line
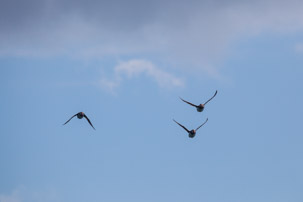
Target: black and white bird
<point>80,115</point>
<point>200,107</point>
<point>191,133</point>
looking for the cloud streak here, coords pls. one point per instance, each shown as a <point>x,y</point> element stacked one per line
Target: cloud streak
<point>135,68</point>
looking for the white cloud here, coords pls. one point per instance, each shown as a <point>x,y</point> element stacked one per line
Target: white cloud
<point>109,85</point>
<point>134,68</point>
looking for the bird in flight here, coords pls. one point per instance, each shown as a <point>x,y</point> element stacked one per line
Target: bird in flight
<point>200,107</point>
<point>191,133</point>
<point>80,115</point>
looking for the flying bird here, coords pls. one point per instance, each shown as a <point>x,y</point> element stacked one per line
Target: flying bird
<point>80,115</point>
<point>200,107</point>
<point>191,133</point>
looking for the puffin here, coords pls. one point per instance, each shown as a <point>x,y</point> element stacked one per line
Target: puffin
<point>200,107</point>
<point>191,133</point>
<point>80,115</point>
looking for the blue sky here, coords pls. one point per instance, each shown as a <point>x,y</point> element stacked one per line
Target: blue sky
<point>125,65</point>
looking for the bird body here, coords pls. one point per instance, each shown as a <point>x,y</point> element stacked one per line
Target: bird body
<point>191,133</point>
<point>80,115</point>
<point>200,107</point>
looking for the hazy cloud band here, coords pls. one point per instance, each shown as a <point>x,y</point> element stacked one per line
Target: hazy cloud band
<point>185,32</point>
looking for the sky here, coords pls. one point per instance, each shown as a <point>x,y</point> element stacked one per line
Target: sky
<point>125,64</point>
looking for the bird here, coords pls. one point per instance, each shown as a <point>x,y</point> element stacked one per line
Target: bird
<point>191,133</point>
<point>80,115</point>
<point>200,107</point>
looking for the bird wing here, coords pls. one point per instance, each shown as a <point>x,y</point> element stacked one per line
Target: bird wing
<point>211,98</point>
<point>188,102</point>
<point>70,119</point>
<point>181,126</point>
<point>202,124</point>
<point>89,121</point>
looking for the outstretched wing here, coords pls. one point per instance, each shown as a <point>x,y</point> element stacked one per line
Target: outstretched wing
<point>70,119</point>
<point>211,98</point>
<point>202,124</point>
<point>89,121</point>
<point>188,102</point>
<point>181,126</point>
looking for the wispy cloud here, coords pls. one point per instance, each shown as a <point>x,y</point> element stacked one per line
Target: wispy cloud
<point>23,194</point>
<point>14,197</point>
<point>136,67</point>
<point>299,47</point>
